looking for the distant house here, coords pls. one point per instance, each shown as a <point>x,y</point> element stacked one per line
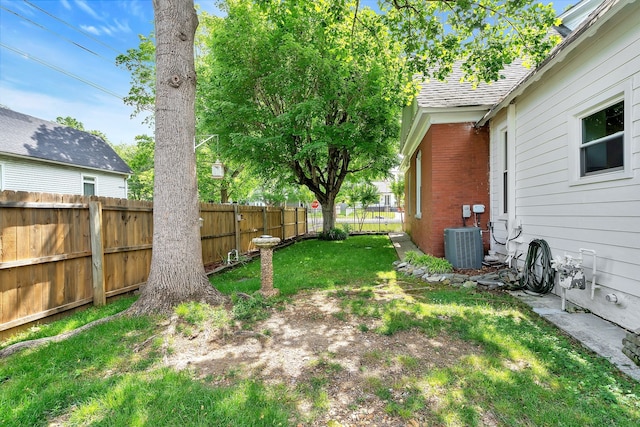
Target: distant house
<point>387,198</point>
<point>555,157</point>
<point>42,156</point>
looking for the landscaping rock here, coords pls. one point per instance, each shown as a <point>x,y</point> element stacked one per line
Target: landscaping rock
<point>419,272</point>
<point>506,278</point>
<point>631,346</point>
<point>458,278</point>
<point>489,285</point>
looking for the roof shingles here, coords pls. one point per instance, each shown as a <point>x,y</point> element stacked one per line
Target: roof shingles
<point>28,136</point>
<point>457,93</point>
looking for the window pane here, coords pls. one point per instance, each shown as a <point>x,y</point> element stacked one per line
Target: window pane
<point>603,123</point>
<point>505,195</point>
<point>89,186</point>
<point>603,156</point>
<point>89,189</point>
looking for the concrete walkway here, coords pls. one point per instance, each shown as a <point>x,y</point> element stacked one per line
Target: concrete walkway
<point>598,335</point>
<point>403,244</point>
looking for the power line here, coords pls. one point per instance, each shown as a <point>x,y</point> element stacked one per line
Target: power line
<point>81,31</point>
<point>61,70</point>
<point>57,34</point>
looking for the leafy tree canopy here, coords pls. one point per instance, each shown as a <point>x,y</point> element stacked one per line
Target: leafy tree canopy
<point>139,157</point>
<point>486,35</point>
<point>308,92</point>
<point>303,93</point>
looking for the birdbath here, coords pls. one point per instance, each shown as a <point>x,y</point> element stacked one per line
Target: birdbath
<point>266,244</point>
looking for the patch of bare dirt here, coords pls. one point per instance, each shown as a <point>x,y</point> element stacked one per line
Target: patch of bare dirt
<point>310,341</point>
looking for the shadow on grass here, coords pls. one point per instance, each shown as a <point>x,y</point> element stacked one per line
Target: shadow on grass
<point>110,375</point>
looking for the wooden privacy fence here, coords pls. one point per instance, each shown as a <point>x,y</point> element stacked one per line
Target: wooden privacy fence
<point>59,252</point>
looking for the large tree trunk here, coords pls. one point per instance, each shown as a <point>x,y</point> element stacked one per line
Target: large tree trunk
<point>177,273</point>
<point>328,213</point>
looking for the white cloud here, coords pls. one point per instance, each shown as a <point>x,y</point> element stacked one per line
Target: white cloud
<point>135,8</point>
<point>90,29</point>
<point>86,8</point>
<point>65,4</point>
<point>122,26</point>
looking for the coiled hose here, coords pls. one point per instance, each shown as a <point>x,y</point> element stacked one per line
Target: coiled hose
<point>540,283</point>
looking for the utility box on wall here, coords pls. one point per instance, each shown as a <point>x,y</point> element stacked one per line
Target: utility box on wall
<point>463,247</point>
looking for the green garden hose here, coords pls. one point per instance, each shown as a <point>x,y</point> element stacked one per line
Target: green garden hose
<point>538,275</point>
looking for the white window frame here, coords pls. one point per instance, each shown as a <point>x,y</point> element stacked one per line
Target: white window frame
<point>605,99</point>
<point>85,180</point>
<point>408,202</point>
<point>419,184</point>
<point>1,176</point>
<point>503,156</point>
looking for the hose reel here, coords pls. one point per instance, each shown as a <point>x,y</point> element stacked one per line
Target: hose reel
<point>538,274</point>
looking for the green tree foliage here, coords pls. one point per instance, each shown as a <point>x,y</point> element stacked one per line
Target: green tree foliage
<point>139,157</point>
<point>304,95</point>
<point>486,35</point>
<point>234,185</point>
<point>71,122</point>
<point>140,63</point>
<point>327,38</point>
<point>397,188</point>
<point>360,195</point>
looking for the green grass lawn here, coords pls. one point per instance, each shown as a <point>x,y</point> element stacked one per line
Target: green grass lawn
<point>523,371</point>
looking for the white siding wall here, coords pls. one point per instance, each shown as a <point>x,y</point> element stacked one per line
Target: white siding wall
<point>27,175</point>
<point>601,214</point>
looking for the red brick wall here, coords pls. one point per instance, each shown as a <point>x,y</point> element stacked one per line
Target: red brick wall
<point>455,172</point>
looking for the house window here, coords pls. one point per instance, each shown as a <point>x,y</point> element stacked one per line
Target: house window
<point>88,185</point>
<point>387,200</point>
<point>505,173</point>
<point>602,143</point>
<point>419,185</point>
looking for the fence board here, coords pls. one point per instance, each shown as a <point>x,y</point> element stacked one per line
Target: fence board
<point>8,295</point>
<point>45,247</point>
<point>8,235</point>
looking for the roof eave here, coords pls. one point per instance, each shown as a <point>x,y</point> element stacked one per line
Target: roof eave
<point>73,165</point>
<point>425,117</point>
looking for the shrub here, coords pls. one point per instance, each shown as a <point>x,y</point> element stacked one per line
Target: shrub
<point>434,264</point>
<point>333,234</point>
<point>346,227</point>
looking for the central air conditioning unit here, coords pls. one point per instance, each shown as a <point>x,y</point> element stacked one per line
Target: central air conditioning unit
<point>463,247</point>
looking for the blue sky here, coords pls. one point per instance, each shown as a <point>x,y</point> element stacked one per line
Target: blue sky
<point>57,59</point>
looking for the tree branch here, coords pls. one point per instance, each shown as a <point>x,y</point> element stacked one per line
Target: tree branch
<point>14,348</point>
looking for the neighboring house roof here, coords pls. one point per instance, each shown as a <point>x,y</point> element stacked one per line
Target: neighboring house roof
<point>457,93</point>
<point>586,28</point>
<point>26,136</point>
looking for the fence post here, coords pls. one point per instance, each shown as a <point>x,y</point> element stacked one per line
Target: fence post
<point>282,218</point>
<point>236,227</point>
<point>296,226</point>
<point>265,225</point>
<point>97,253</point>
